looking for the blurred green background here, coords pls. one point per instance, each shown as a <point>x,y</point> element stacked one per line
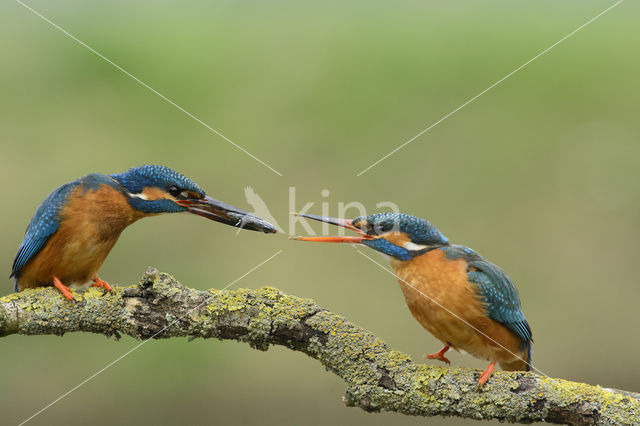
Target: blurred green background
<point>540,175</point>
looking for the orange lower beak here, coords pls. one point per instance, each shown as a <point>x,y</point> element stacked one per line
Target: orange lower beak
<point>344,223</point>
<point>331,239</point>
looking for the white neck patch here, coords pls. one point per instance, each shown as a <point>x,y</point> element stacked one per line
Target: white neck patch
<point>413,246</point>
<point>141,196</point>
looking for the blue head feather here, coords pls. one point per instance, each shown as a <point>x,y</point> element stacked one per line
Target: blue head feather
<point>135,180</point>
<point>419,231</point>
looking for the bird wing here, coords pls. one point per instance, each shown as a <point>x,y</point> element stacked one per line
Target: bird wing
<point>44,223</point>
<point>497,291</point>
<point>252,198</point>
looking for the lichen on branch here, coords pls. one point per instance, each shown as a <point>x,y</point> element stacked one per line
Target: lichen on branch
<point>377,377</point>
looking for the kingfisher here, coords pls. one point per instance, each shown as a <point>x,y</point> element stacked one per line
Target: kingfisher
<point>77,225</point>
<point>463,300</point>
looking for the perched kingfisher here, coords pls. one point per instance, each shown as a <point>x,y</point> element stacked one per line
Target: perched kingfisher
<point>77,225</point>
<point>466,302</point>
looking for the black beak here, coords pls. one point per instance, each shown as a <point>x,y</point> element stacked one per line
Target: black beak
<point>225,213</point>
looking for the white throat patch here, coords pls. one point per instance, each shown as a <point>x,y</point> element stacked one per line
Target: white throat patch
<point>413,246</point>
<point>141,196</point>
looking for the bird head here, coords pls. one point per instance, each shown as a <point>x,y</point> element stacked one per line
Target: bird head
<point>398,235</point>
<point>153,189</point>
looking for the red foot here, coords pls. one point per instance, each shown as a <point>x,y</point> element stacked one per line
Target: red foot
<point>486,374</point>
<point>440,355</point>
<point>63,289</point>
<point>97,282</point>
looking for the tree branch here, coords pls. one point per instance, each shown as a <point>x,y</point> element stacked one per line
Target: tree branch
<point>377,377</point>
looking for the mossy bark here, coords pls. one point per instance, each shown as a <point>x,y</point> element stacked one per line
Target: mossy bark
<point>377,378</point>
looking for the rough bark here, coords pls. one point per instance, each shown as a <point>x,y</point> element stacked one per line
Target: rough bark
<point>377,378</point>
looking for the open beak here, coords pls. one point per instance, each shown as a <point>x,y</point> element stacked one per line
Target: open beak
<point>345,223</point>
<point>225,213</point>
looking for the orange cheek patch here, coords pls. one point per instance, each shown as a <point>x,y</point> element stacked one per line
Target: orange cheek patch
<point>397,238</point>
<point>155,194</point>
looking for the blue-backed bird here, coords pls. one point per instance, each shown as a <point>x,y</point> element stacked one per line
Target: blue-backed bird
<point>77,225</point>
<point>466,302</point>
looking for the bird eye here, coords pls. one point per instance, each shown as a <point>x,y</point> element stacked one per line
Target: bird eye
<point>174,191</point>
<point>383,227</point>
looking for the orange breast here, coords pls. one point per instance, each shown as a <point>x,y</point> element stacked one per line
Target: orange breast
<point>440,297</point>
<point>90,226</point>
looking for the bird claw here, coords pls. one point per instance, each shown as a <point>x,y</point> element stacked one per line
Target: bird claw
<point>440,355</point>
<point>63,289</point>
<point>97,282</point>
<point>486,374</point>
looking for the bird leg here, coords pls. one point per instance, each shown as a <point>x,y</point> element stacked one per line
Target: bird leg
<point>97,282</point>
<point>440,355</point>
<point>63,288</point>
<point>486,374</point>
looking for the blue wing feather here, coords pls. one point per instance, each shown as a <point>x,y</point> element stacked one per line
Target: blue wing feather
<point>496,289</point>
<point>44,223</point>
